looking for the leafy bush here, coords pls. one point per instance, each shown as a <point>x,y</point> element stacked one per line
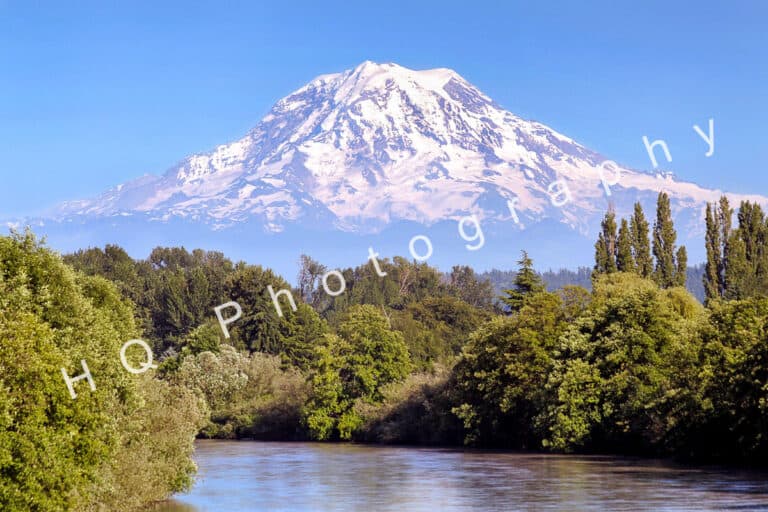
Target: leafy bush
<point>57,453</point>
<point>247,395</point>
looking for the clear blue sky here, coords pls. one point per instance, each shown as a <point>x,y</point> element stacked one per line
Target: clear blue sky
<point>93,94</point>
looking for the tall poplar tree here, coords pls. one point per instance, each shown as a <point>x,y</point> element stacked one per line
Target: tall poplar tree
<point>641,248</point>
<point>681,273</point>
<point>724,219</point>
<point>606,245</point>
<point>736,268</point>
<point>625,261</point>
<point>664,237</point>
<point>752,229</point>
<point>713,271</point>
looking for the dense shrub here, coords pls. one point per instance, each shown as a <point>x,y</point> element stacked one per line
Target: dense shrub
<point>57,453</point>
<point>247,395</point>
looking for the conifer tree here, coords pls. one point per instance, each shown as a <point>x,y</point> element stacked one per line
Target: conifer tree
<point>641,248</point>
<point>606,245</point>
<point>527,282</point>
<point>625,261</point>
<point>664,237</point>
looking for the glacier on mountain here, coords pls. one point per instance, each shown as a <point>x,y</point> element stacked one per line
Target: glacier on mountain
<point>361,150</point>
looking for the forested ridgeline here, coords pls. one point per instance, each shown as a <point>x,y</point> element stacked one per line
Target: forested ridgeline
<point>406,354</point>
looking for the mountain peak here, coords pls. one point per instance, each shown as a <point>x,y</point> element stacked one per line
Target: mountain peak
<point>380,143</point>
<point>369,76</point>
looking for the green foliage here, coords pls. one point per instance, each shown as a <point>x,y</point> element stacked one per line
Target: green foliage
<point>664,237</point>
<point>327,401</point>
<point>375,355</point>
<point>415,411</point>
<point>625,260</point>
<point>173,290</point>
<point>737,259</point>
<point>434,329</point>
<point>353,365</point>
<point>737,273</point>
<point>635,366</point>
<point>246,395</point>
<point>465,284</point>
<point>641,248</point>
<point>713,276</point>
<point>629,251</point>
<point>503,372</point>
<point>527,283</point>
<point>733,420</point>
<point>261,328</point>
<point>57,453</point>
<point>606,247</point>
<point>405,282</point>
<point>681,271</point>
<point>625,372</point>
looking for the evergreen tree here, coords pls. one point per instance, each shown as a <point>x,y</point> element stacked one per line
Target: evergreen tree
<point>527,282</point>
<point>713,277</point>
<point>606,245</point>
<point>641,248</point>
<point>664,237</point>
<point>682,266</point>
<point>625,261</point>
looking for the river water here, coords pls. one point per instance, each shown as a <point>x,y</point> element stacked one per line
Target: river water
<point>247,476</point>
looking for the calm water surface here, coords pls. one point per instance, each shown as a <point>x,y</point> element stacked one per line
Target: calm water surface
<point>240,476</point>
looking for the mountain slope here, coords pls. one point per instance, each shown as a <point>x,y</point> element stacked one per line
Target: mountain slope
<point>362,150</point>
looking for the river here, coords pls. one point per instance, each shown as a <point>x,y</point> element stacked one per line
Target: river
<point>249,476</point>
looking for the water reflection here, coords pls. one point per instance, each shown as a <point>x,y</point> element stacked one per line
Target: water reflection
<point>240,476</point>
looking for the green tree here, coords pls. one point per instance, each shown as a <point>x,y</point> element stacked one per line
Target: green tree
<point>527,283</point>
<point>327,402</point>
<point>625,373</point>
<point>435,328</point>
<point>310,273</point>
<point>732,423</point>
<point>713,271</point>
<point>681,272</point>
<point>261,328</point>
<point>737,268</point>
<point>353,367</point>
<point>502,374</point>
<point>467,286</point>
<point>641,248</point>
<point>606,246</point>
<point>625,261</point>
<point>60,453</point>
<point>754,234</point>
<point>664,237</point>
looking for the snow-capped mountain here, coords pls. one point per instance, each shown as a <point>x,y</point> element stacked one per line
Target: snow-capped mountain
<point>360,150</point>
